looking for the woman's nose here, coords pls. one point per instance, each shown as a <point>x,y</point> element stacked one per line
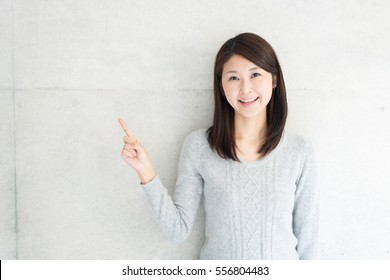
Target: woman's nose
<point>246,87</point>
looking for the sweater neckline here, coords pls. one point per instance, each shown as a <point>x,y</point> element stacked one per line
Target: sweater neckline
<point>267,157</point>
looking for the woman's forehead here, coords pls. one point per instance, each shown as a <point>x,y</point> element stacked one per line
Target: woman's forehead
<point>237,63</point>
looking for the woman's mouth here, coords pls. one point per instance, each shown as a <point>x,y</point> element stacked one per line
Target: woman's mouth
<point>248,102</point>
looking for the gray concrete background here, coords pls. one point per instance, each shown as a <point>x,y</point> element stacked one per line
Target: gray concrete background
<point>69,69</point>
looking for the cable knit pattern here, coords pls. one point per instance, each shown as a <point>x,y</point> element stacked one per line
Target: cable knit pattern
<point>264,209</point>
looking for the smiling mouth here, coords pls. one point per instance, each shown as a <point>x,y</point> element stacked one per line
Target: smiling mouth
<point>249,101</point>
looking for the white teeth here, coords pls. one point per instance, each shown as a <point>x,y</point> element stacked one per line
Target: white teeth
<point>248,101</point>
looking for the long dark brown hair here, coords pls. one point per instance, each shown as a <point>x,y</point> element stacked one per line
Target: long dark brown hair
<point>260,52</point>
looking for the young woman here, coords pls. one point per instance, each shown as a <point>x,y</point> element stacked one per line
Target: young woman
<point>258,181</point>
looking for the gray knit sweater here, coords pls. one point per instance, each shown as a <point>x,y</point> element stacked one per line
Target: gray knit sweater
<point>264,209</point>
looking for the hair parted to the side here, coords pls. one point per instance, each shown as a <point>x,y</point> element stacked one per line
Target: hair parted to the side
<point>260,52</point>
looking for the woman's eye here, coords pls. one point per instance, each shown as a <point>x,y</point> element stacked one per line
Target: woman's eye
<point>255,74</point>
<point>233,78</point>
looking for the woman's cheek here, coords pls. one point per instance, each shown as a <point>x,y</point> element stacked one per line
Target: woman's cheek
<point>230,89</point>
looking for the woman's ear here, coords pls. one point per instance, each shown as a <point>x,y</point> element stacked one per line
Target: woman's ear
<point>274,81</point>
<point>221,89</point>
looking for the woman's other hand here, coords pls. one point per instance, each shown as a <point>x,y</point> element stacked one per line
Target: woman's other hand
<point>136,156</point>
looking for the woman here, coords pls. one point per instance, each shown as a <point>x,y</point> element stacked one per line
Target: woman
<point>258,181</point>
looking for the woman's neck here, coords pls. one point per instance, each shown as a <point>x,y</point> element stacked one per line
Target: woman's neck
<point>250,130</point>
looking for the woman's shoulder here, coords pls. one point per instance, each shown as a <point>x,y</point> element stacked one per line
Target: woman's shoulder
<point>295,142</point>
<point>198,136</point>
<point>196,144</point>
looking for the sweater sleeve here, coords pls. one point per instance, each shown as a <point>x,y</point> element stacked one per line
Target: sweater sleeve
<point>176,216</point>
<point>306,208</point>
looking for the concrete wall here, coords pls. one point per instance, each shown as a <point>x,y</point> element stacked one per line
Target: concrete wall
<point>69,69</point>
<point>7,136</point>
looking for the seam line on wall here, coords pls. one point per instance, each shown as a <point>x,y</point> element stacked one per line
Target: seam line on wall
<point>14,96</point>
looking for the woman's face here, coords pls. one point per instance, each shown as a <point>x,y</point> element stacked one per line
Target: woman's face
<point>247,87</point>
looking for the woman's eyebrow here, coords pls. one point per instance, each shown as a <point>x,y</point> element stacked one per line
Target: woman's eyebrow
<point>234,71</point>
<point>231,71</point>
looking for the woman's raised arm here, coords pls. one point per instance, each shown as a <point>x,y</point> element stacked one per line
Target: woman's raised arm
<point>136,156</point>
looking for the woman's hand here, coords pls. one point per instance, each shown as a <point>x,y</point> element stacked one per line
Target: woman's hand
<point>136,156</point>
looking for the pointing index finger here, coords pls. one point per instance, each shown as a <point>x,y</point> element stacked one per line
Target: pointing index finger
<point>125,128</point>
